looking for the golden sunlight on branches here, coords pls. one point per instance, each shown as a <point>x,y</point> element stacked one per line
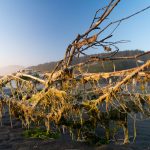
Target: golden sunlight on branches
<point>76,99</point>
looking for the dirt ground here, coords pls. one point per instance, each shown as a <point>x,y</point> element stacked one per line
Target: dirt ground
<point>12,139</point>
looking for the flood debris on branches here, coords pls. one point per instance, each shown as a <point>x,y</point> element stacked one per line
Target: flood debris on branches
<point>75,100</point>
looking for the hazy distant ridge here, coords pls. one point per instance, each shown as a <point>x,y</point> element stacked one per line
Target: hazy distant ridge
<point>47,67</point>
<point>120,64</point>
<point>10,69</point>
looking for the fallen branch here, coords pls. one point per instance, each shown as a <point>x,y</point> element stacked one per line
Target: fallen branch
<point>117,86</point>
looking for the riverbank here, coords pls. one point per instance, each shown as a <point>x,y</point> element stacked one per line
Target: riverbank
<point>13,139</point>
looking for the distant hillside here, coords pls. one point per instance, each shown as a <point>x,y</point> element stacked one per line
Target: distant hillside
<point>46,67</point>
<point>97,67</point>
<point>9,69</point>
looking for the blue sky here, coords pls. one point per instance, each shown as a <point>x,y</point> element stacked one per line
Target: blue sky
<point>38,31</point>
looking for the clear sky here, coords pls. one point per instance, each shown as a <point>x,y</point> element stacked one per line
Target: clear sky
<point>38,31</point>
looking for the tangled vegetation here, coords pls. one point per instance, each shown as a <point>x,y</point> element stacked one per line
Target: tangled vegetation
<point>76,101</point>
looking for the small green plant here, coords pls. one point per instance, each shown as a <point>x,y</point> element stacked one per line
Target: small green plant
<point>42,134</point>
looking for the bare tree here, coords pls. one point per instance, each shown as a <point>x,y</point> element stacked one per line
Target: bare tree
<point>74,97</point>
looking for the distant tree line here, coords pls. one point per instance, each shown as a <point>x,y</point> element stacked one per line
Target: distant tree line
<point>101,67</point>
